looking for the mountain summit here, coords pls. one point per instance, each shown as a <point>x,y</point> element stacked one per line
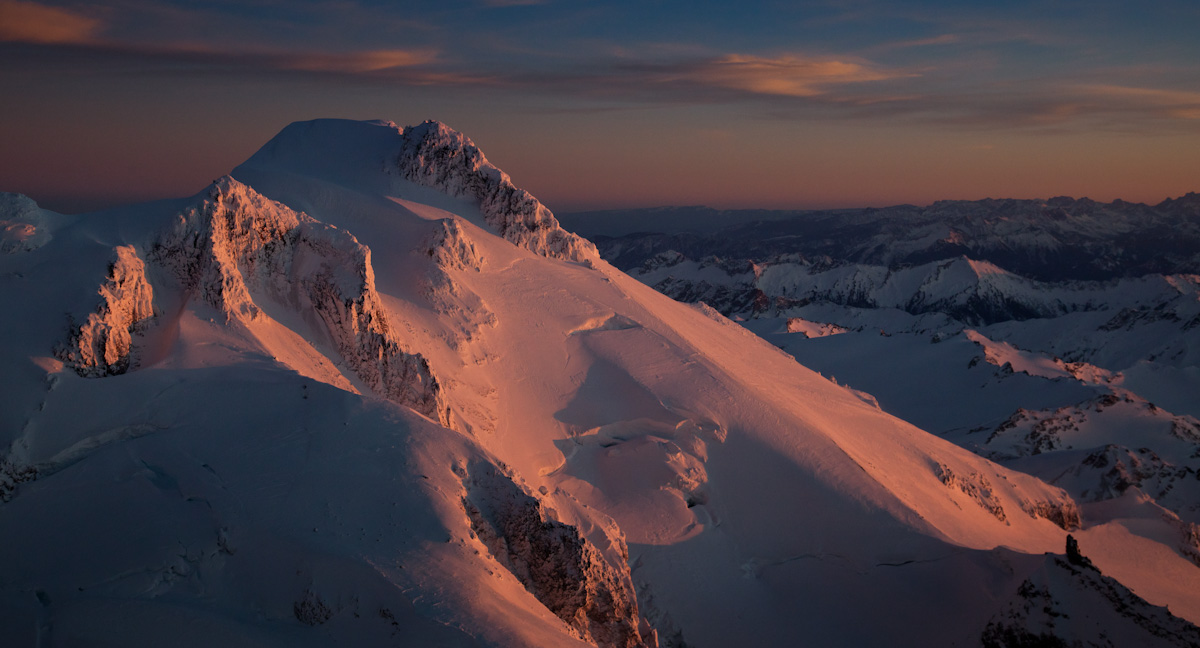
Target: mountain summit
<point>366,391</point>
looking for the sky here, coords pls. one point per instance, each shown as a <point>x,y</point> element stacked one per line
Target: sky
<point>594,105</point>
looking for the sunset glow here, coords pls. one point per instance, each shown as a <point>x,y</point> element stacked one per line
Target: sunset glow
<point>592,105</point>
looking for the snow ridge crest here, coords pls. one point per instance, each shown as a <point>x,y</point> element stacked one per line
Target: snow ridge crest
<point>435,155</point>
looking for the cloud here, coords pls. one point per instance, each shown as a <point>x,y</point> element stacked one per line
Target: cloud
<point>787,76</point>
<point>415,66</point>
<point>944,39</point>
<point>30,22</point>
<point>352,63</point>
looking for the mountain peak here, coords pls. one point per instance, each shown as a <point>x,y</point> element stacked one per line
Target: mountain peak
<point>380,159</point>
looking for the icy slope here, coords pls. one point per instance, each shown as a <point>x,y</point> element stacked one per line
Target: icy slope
<point>381,396</point>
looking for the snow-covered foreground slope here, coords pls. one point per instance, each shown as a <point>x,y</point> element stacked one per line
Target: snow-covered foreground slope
<point>1088,385</point>
<point>366,391</point>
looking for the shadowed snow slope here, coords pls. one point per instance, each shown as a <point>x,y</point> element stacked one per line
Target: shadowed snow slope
<point>585,461</point>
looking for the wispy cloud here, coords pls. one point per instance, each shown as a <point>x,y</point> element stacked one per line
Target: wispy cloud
<point>30,22</point>
<point>351,63</point>
<point>417,65</point>
<point>52,27</point>
<point>45,27</point>
<point>972,89</point>
<point>943,39</point>
<point>787,76</point>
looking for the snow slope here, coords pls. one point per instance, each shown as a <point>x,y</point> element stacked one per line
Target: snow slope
<point>379,395</point>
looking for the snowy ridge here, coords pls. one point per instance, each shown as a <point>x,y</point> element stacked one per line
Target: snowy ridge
<point>1067,598</point>
<point>236,242</point>
<point>1100,449</point>
<point>102,344</point>
<point>434,155</point>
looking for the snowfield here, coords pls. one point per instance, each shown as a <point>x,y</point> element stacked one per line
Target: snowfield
<point>366,391</point>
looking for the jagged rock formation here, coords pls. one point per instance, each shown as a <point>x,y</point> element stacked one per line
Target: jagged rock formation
<point>437,156</point>
<point>102,344</point>
<point>554,561</point>
<point>450,247</point>
<point>236,242</point>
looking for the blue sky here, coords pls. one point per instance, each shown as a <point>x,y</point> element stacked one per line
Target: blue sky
<point>605,104</point>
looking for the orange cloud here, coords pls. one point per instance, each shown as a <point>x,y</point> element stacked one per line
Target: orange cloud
<point>788,76</point>
<point>30,22</point>
<point>357,62</point>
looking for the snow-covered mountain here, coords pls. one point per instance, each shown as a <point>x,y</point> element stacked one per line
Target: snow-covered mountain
<point>366,391</point>
<point>1033,333</point>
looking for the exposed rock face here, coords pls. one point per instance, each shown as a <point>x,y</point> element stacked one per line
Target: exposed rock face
<point>102,344</point>
<point>975,486</point>
<point>553,560</point>
<point>436,156</point>
<point>1064,514</point>
<point>450,247</point>
<point>237,242</point>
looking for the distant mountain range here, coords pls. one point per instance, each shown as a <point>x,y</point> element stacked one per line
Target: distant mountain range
<point>1052,240</point>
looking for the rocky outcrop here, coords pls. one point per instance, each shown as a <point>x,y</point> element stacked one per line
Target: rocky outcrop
<point>553,560</point>
<point>451,248</point>
<point>1065,514</point>
<point>975,486</point>
<point>437,156</point>
<point>235,243</point>
<point>102,345</point>
<point>13,473</point>
<point>22,224</point>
